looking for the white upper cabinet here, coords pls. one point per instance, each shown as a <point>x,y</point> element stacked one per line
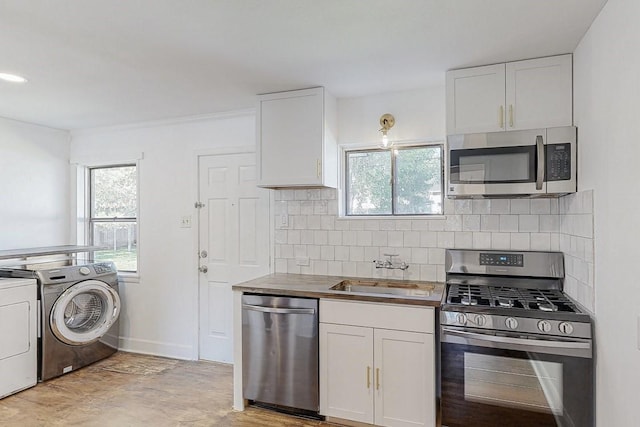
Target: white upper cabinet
<point>297,139</point>
<point>531,94</point>
<point>475,100</point>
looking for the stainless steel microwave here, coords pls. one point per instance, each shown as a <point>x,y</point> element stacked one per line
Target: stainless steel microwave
<point>534,163</point>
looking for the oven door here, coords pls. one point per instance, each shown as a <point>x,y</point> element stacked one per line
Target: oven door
<point>500,163</point>
<point>490,379</point>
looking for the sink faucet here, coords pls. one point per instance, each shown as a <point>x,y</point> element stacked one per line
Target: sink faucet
<point>389,264</point>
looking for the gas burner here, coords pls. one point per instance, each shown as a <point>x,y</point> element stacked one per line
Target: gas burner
<point>547,306</point>
<point>468,301</point>
<point>505,302</point>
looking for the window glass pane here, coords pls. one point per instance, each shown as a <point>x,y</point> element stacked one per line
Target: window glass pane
<point>369,183</point>
<point>418,180</point>
<point>121,241</point>
<point>113,192</point>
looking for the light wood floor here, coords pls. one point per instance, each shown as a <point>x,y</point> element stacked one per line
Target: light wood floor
<point>136,390</point>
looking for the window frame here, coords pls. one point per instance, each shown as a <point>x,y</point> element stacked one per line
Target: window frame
<point>363,149</point>
<point>91,220</point>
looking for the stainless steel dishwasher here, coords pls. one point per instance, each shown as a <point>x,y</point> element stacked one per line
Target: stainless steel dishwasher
<point>280,352</point>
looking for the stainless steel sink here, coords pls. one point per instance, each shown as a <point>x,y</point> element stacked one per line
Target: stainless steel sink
<point>397,289</point>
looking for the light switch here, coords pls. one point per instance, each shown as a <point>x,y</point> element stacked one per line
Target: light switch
<point>185,222</point>
<point>284,220</point>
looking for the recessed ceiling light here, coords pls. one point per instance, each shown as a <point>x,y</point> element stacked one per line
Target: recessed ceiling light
<point>12,78</point>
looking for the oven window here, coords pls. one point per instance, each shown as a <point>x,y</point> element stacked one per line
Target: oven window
<point>534,385</point>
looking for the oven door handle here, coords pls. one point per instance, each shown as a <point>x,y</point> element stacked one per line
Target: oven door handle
<point>520,341</point>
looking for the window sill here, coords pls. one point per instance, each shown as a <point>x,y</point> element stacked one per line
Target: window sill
<point>126,277</point>
<point>390,217</point>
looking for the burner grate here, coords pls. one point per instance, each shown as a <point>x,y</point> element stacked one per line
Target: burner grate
<point>509,298</point>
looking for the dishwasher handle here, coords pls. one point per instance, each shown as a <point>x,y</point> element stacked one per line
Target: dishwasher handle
<point>276,310</point>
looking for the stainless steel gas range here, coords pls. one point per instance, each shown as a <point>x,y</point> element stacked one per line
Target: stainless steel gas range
<point>515,350</point>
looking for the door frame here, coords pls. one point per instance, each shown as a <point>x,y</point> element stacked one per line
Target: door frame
<point>195,232</point>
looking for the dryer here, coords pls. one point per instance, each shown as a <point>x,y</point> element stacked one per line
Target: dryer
<point>79,314</point>
<point>18,341</point>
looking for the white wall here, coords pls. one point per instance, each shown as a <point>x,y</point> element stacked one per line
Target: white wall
<point>34,185</point>
<point>607,105</point>
<point>160,311</point>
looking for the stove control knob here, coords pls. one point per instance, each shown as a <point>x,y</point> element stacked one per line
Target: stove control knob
<point>480,320</point>
<point>544,326</point>
<point>85,271</point>
<point>566,328</point>
<point>511,323</point>
<point>461,318</point>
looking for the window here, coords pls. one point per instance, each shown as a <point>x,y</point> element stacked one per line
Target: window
<point>401,181</point>
<point>113,215</point>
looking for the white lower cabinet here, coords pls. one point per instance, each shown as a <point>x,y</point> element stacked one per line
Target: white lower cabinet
<point>372,374</point>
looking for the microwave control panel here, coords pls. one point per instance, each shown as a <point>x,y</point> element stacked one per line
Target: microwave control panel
<point>558,162</point>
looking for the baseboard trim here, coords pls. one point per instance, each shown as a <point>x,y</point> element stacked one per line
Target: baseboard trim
<point>156,348</point>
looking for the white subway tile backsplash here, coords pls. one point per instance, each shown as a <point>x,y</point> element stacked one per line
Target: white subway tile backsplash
<point>395,238</point>
<point>471,223</point>
<point>387,224</point>
<point>428,239</point>
<point>411,239</point>
<point>446,239</point>
<point>540,241</point>
<point>481,240</point>
<point>453,223</point>
<point>463,239</point>
<point>339,246</point>
<point>520,206</point>
<point>363,238</point>
<point>419,255</point>
<point>436,225</point>
<point>489,223</point>
<point>306,237</point>
<point>463,207</point>
<point>528,223</point>
<point>481,206</point>
<point>540,206</point>
<point>501,241</point>
<point>508,223</point>
<point>520,241</point>
<point>342,253</point>
<point>356,253</point>
<point>500,207</point>
<point>379,238</point>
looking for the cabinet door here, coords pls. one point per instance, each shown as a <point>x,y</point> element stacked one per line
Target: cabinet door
<point>404,378</point>
<point>346,372</point>
<point>539,93</point>
<point>475,100</point>
<point>290,132</point>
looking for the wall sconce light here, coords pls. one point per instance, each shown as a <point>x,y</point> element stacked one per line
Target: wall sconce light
<point>386,121</point>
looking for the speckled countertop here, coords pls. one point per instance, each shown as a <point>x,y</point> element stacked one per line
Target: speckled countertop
<point>305,285</point>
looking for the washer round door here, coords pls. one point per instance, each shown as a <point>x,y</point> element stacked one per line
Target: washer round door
<point>84,312</point>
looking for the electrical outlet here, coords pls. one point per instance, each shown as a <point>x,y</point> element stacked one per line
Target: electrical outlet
<point>284,220</point>
<point>185,222</point>
<point>302,261</point>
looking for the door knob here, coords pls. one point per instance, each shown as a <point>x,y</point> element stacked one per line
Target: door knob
<point>203,254</point>
<point>203,269</point>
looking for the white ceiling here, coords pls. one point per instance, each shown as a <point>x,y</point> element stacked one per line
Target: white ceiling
<point>97,63</point>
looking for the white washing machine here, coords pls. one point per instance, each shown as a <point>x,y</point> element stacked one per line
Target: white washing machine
<point>80,309</point>
<point>18,335</point>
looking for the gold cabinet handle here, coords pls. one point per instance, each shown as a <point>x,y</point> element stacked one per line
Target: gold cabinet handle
<point>377,378</point>
<point>368,376</point>
<point>501,117</point>
<point>511,115</point>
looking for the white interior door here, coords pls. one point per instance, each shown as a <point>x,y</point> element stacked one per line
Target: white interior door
<point>234,233</point>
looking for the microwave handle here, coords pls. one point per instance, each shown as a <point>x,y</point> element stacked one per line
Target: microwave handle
<point>540,162</point>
